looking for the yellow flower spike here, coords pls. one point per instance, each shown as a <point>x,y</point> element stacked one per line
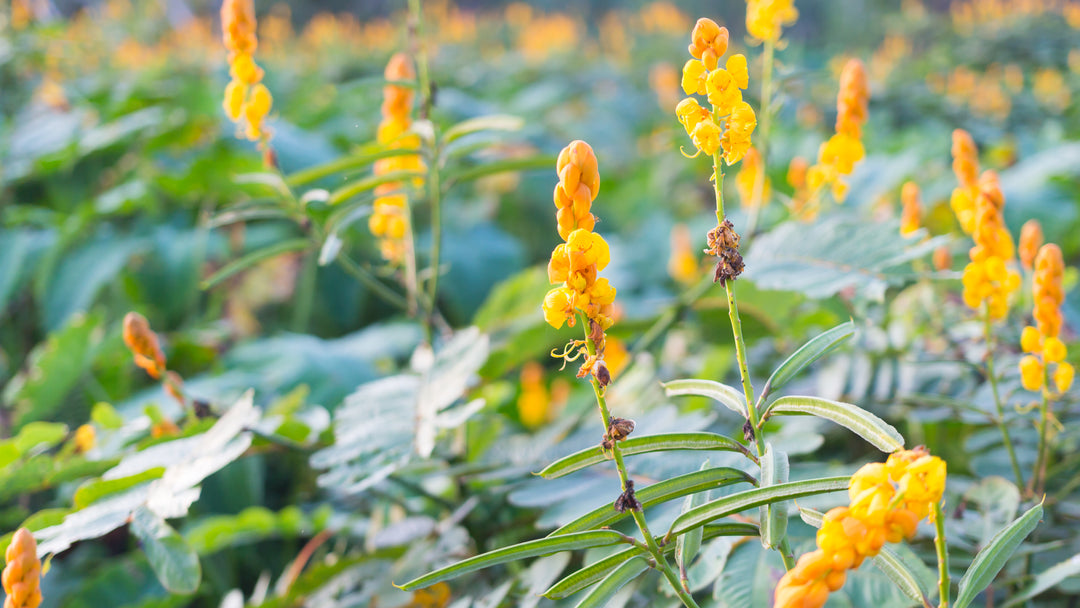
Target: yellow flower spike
<point>694,75</point>
<point>1053,350</point>
<point>1063,377</point>
<point>1031,373</point>
<point>246,99</point>
<point>235,93</point>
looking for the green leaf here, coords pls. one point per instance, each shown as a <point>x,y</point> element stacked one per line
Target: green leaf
<point>840,252</point>
<point>94,490</point>
<point>54,368</point>
<point>735,503</point>
<point>253,258</point>
<point>687,545</point>
<point>532,548</point>
<point>369,183</point>
<point>494,122</point>
<point>1047,579</point>
<point>499,166</point>
<point>345,163</point>
<point>270,179</point>
<point>813,350</point>
<point>106,416</point>
<point>36,434</point>
<point>731,398</point>
<point>643,445</point>
<point>879,433</point>
<point>611,584</point>
<point>9,453</point>
<point>660,492</point>
<point>774,516</point>
<point>597,570</point>
<point>992,558</point>
<point>172,559</point>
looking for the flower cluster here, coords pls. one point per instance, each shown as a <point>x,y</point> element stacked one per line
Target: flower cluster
<point>389,220</point>
<point>533,403</point>
<point>732,121</point>
<point>1031,239</point>
<point>966,167</point>
<point>765,18</point>
<point>574,264</point>
<point>909,217</point>
<point>838,155</point>
<point>746,180</point>
<point>887,502</point>
<point>22,574</point>
<point>247,99</point>
<point>987,278</point>
<point>1042,341</point>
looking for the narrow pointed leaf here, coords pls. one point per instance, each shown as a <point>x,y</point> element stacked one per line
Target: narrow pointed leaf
<point>657,493</point>
<point>642,445</point>
<point>532,548</point>
<point>1047,579</point>
<point>611,584</point>
<point>493,122</point>
<point>735,503</point>
<point>813,350</point>
<point>369,183</point>
<point>499,166</point>
<point>879,433</point>
<point>686,547</point>
<point>774,517</point>
<point>597,570</point>
<point>253,258</point>
<point>992,558</point>
<point>346,163</point>
<point>726,395</point>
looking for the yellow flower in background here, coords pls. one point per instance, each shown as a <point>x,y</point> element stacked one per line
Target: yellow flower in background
<point>746,179</point>
<point>839,154</point>
<point>912,208</point>
<point>966,167</point>
<point>683,264</point>
<point>247,100</point>
<point>85,438</point>
<point>1042,341</point>
<point>766,18</point>
<point>534,400</point>
<point>1031,239</point>
<point>987,279</point>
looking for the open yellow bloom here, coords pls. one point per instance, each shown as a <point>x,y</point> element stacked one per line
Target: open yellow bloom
<point>723,91</point>
<point>736,66</point>
<point>694,75</point>
<point>706,137</point>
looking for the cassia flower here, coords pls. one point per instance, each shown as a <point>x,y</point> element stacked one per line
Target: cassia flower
<point>1042,341</point>
<point>912,208</point>
<point>22,573</point>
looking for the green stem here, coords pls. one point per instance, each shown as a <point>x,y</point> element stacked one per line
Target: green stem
<point>987,330</point>
<point>1038,476</point>
<point>305,292</point>
<point>421,57</point>
<point>756,202</point>
<point>942,556</point>
<point>372,283</point>
<point>638,515</point>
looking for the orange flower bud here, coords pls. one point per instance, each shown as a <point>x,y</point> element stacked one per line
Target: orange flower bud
<point>22,574</point>
<point>1031,238</point>
<point>143,344</point>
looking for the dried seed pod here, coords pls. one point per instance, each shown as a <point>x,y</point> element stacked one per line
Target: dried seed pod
<point>620,428</point>
<point>627,501</point>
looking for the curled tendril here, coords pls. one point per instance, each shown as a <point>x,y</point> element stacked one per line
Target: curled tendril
<point>573,350</point>
<point>683,152</point>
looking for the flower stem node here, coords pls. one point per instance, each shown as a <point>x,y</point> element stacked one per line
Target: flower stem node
<point>724,243</point>
<point>748,431</point>
<point>627,501</point>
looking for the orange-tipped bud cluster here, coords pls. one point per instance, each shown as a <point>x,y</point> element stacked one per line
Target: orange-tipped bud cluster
<point>910,215</point>
<point>144,345</point>
<point>22,574</point>
<point>766,18</point>
<point>838,155</point>
<point>988,280</point>
<point>389,220</point>
<point>1031,239</point>
<point>746,180</point>
<point>575,263</point>
<point>887,502</point>
<point>966,167</point>
<point>732,121</point>
<point>1042,341</point>
<point>247,100</point>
